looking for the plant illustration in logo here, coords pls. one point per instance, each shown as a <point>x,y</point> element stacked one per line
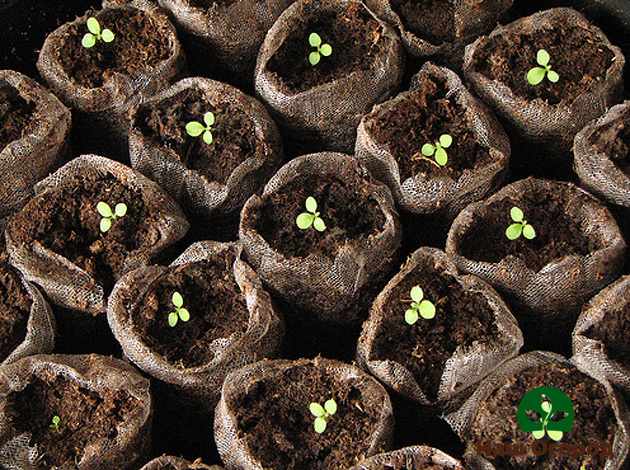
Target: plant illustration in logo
<point>554,412</point>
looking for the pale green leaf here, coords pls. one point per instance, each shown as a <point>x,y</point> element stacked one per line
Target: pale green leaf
<point>529,232</point>
<point>105,224</point>
<point>514,231</point>
<point>535,75</point>
<point>440,156</point>
<point>311,204</point>
<point>319,225</point>
<point>304,220</point>
<point>542,57</point>
<point>427,150</point>
<point>317,410</point>
<point>177,299</point>
<point>121,209</point>
<point>108,35</point>
<point>172,319</point>
<point>104,209</point>
<point>93,26</point>
<point>325,50</point>
<point>314,40</point>
<point>539,434</point>
<point>88,40</point>
<point>314,58</point>
<point>184,315</point>
<point>553,76</point>
<point>411,316</point>
<point>546,406</point>
<point>516,214</point>
<point>427,309</point>
<point>208,118</point>
<point>195,128</point>
<point>207,137</point>
<point>446,140</point>
<point>416,293</point>
<point>555,435</point>
<point>330,406</point>
<point>320,425</point>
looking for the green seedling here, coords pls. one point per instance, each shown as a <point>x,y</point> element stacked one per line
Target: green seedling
<point>420,307</point>
<point>537,74</point>
<point>95,34</point>
<point>306,219</point>
<point>322,414</point>
<point>437,149</point>
<point>540,433</point>
<point>320,49</point>
<point>195,129</point>
<point>108,215</point>
<point>55,423</point>
<point>519,226</point>
<point>180,313</point>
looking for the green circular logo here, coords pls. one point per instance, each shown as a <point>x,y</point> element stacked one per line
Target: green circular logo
<point>552,413</point>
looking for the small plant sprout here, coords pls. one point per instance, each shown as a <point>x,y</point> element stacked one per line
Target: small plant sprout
<point>539,434</point>
<point>95,34</point>
<point>320,49</point>
<point>180,313</point>
<point>306,219</point>
<point>437,149</point>
<point>322,414</point>
<point>108,215</point>
<point>537,74</point>
<point>55,423</point>
<point>420,307</point>
<point>195,129</point>
<point>519,226</point>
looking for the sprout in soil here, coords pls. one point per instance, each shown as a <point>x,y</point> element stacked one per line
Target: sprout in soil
<point>306,219</point>
<point>420,307</point>
<point>95,34</point>
<point>108,215</point>
<point>55,423</point>
<point>321,49</point>
<point>180,313</point>
<point>519,226</point>
<point>322,413</point>
<point>539,434</point>
<point>195,128</point>
<point>537,74</point>
<point>428,150</point>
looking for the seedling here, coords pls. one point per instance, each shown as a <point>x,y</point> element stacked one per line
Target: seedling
<point>108,215</point>
<point>437,149</point>
<point>55,423</point>
<point>306,219</point>
<point>195,129</point>
<point>519,226</point>
<point>420,307</point>
<point>180,313</point>
<point>537,74</point>
<point>95,34</point>
<point>540,433</point>
<point>322,414</point>
<point>320,49</point>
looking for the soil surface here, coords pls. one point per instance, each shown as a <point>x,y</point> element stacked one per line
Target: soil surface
<point>431,20</point>
<point>462,318</point>
<point>15,306</point>
<point>212,297</point>
<point>422,118</point>
<point>348,211</point>
<point>595,421</point>
<point>557,235</point>
<point>208,4</point>
<point>423,466</point>
<point>274,418</point>
<point>85,416</point>
<point>353,34</point>
<point>233,133</point>
<point>65,220</point>
<point>577,56</point>
<point>15,116</point>
<point>613,331</point>
<point>138,46</point>
<point>614,140</point>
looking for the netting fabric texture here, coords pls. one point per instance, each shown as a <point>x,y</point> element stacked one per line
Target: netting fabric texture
<point>413,457</point>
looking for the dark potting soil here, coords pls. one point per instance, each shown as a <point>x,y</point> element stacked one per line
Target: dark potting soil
<point>85,416</point>
<point>422,118</point>
<point>431,20</point>
<point>208,4</point>
<point>234,137</point>
<point>423,348</point>
<point>595,421</point>
<point>15,306</point>
<point>212,297</point>
<point>273,417</point>
<point>65,221</point>
<point>138,46</point>
<point>557,235</point>
<point>421,466</point>
<point>614,140</point>
<point>15,116</point>
<point>577,56</point>
<point>355,38</point>
<point>613,331</point>
<point>347,210</point>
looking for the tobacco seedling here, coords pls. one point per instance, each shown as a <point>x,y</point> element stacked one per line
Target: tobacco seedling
<point>55,423</point>
<point>95,34</point>
<point>537,74</point>
<point>437,149</point>
<point>420,307</point>
<point>195,129</point>
<point>108,215</point>
<point>180,313</point>
<point>540,433</point>
<point>322,414</point>
<point>519,226</point>
<point>320,49</point>
<point>306,219</point>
